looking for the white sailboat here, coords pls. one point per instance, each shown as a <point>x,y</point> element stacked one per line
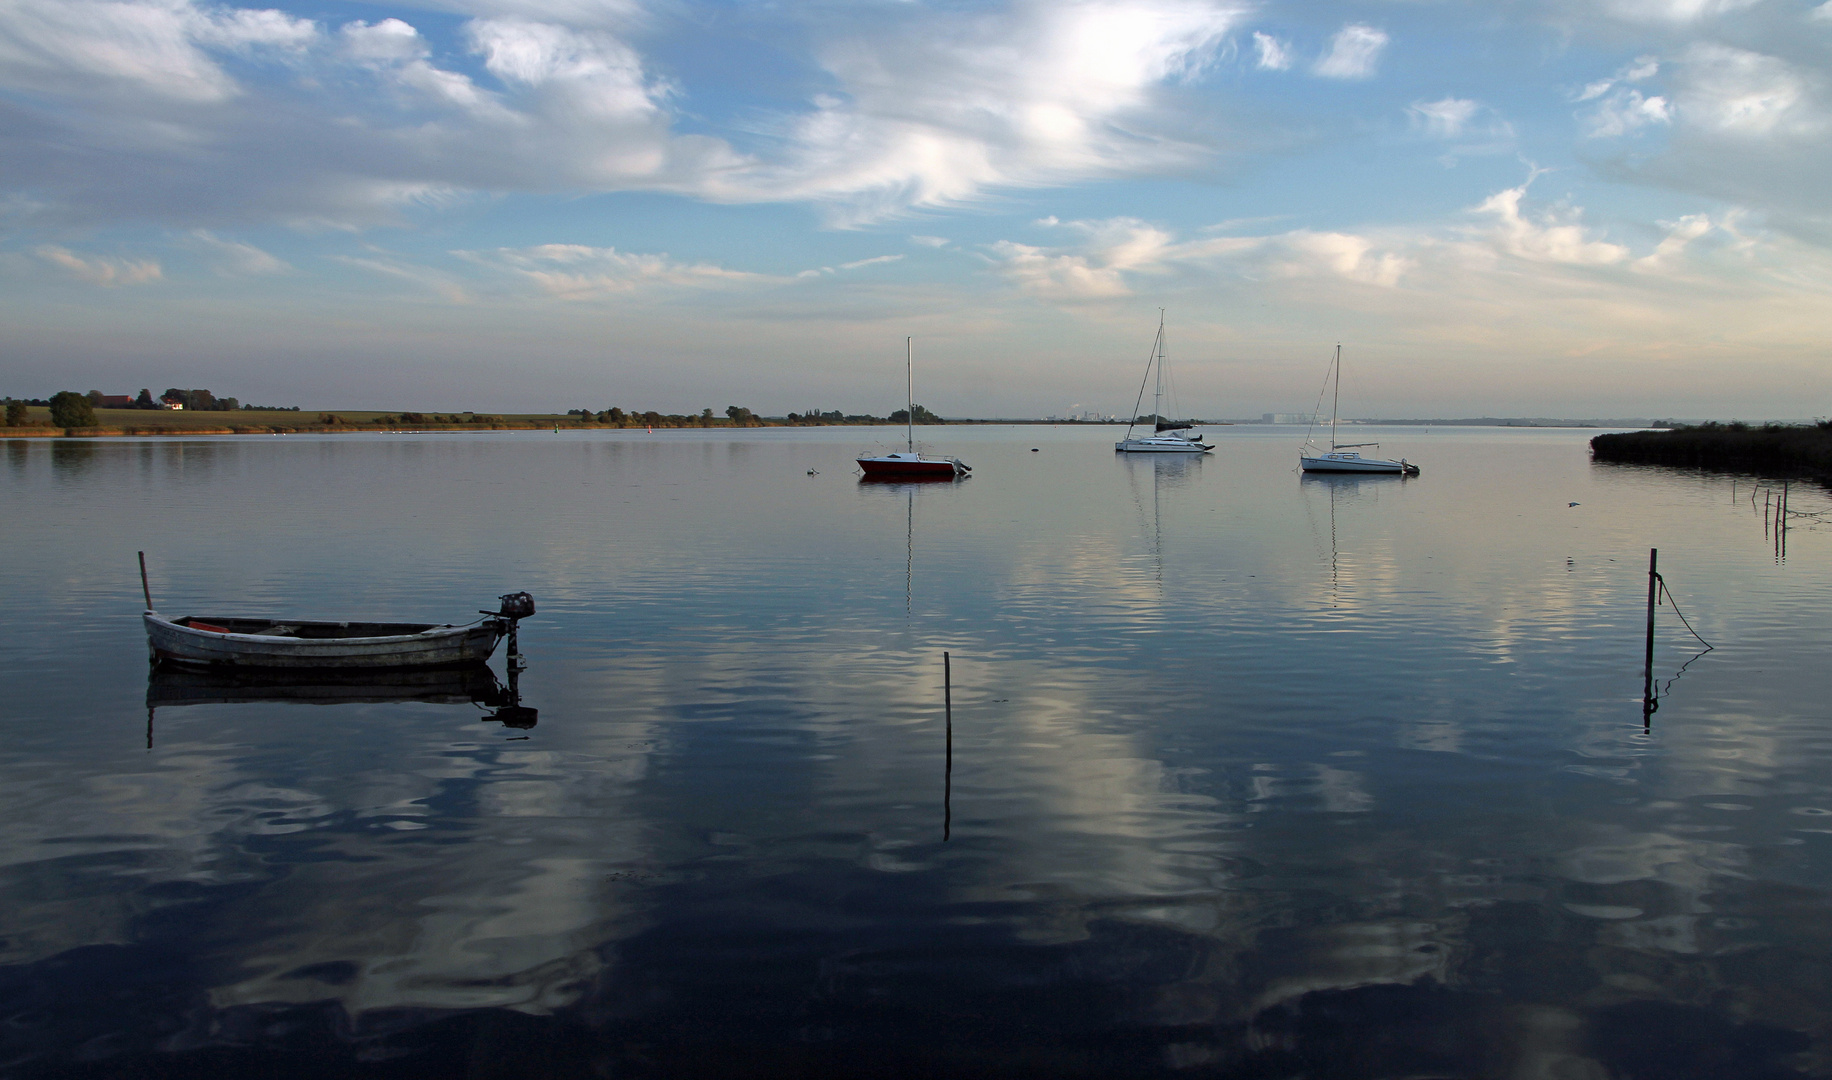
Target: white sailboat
<point>1167,437</point>
<point>1342,457</point>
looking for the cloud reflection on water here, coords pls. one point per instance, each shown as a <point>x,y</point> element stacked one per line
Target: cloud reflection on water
<point>1170,720</point>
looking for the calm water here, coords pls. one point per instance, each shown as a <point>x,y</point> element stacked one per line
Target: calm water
<point>1253,775</point>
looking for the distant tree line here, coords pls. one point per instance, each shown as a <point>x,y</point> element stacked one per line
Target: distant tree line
<point>735,416</point>
<point>923,416</point>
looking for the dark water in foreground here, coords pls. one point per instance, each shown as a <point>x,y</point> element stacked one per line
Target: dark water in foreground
<point>1252,775</point>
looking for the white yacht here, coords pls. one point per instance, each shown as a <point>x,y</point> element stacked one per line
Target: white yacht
<point>1167,437</point>
<point>1343,457</point>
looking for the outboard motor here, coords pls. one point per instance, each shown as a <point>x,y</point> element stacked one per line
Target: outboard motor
<point>516,606</point>
<point>516,716</point>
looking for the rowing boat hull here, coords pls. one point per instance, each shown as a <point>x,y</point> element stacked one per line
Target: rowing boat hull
<point>438,646</point>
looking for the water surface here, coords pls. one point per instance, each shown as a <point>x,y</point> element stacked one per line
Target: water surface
<point>1252,774</point>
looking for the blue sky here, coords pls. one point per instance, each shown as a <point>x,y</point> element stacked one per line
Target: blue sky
<point>1529,208</point>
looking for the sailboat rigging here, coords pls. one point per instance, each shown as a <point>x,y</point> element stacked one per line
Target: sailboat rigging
<point>911,465</point>
<point>1167,437</point>
<point>1341,457</point>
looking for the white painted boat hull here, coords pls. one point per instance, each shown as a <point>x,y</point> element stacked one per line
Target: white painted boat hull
<point>1355,463</point>
<point>1161,446</point>
<point>435,647</point>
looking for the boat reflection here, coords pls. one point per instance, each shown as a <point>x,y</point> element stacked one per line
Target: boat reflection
<point>1344,487</point>
<point>1168,471</point>
<point>907,481</point>
<point>169,686</point>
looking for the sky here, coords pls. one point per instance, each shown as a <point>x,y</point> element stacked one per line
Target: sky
<point>1507,208</point>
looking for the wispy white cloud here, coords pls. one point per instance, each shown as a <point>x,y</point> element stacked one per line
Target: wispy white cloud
<point>1549,236</point>
<point>930,241</point>
<point>232,258</point>
<point>1354,53</point>
<point>1615,108</point>
<point>1503,239</point>
<point>104,270</point>
<point>1677,12</point>
<point>873,261</point>
<point>90,49</point>
<point>1446,118</point>
<point>579,271</point>
<point>1272,54</point>
<point>1737,91</point>
<point>385,264</point>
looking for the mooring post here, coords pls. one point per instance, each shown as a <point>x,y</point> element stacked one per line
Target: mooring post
<point>947,781</point>
<point>1647,667</point>
<point>144,591</point>
<point>1781,519</point>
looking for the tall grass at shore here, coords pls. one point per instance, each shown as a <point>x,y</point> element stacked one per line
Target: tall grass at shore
<point>1780,449</point>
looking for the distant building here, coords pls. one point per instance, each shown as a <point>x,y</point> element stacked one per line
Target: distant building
<point>172,403</point>
<point>117,401</point>
<point>1284,418</point>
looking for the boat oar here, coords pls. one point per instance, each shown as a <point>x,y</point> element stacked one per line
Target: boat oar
<point>144,591</point>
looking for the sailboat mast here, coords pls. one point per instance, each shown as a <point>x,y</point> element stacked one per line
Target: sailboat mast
<point>1336,400</point>
<point>909,371</point>
<point>1157,397</point>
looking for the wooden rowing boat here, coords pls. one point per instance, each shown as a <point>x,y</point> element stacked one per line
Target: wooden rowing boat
<point>226,641</point>
<point>218,641</point>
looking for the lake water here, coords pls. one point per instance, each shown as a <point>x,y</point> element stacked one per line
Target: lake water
<point>1250,774</point>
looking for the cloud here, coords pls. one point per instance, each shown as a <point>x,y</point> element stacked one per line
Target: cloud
<point>1107,259</point>
<point>1672,11</point>
<point>350,126</point>
<point>577,271</point>
<point>1739,92</point>
<point>1618,109</point>
<point>938,109</point>
<point>1112,253</point>
<point>1748,127</point>
<point>1273,54</point>
<point>930,241</point>
<point>873,261</point>
<point>388,265</point>
<point>131,114</point>
<point>231,258</point>
<point>1446,118</point>
<point>104,270</point>
<point>93,49</point>
<point>1546,237</point>
<point>1672,247</point>
<point>1353,53</point>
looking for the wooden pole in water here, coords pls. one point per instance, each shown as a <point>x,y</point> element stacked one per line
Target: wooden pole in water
<point>1781,519</point>
<point>947,788</point>
<point>144,591</point>
<point>1647,668</point>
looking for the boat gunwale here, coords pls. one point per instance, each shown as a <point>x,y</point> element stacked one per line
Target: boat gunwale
<point>432,631</point>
